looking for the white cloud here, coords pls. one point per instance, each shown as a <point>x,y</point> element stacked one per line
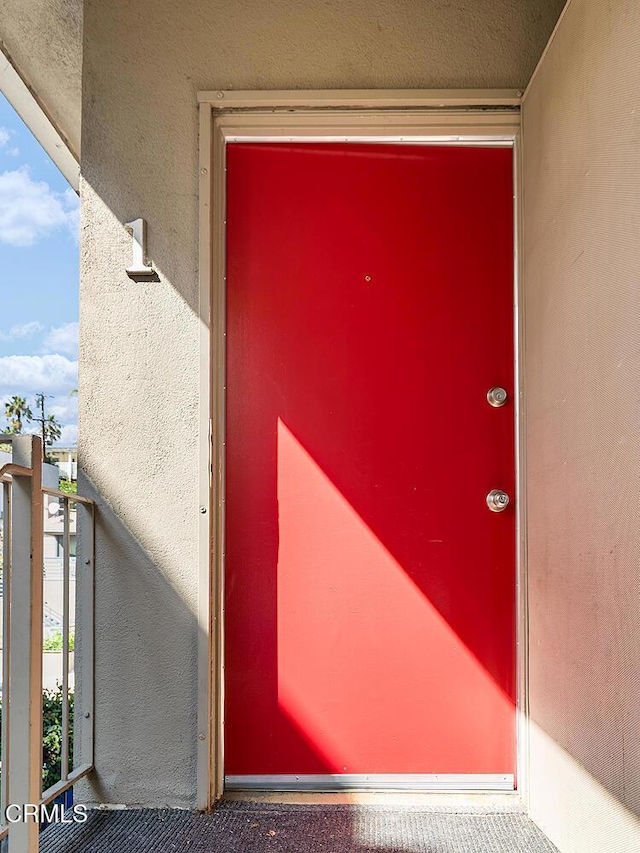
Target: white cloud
<point>62,339</point>
<point>29,374</point>
<point>72,206</point>
<point>68,435</point>
<point>31,210</point>
<point>25,330</point>
<point>54,374</point>
<point>21,331</point>
<point>5,136</point>
<point>64,407</point>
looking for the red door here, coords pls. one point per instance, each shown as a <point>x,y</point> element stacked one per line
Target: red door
<point>370,591</point>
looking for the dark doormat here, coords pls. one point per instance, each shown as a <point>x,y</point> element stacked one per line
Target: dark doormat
<point>238,827</point>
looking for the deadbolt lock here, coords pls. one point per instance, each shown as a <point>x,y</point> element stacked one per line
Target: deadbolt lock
<point>497,500</point>
<point>496,397</point>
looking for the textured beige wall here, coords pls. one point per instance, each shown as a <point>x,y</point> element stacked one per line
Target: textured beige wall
<point>143,64</point>
<point>582,264</point>
<point>43,39</point>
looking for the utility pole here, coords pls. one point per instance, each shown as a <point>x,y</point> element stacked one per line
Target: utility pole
<point>40,398</point>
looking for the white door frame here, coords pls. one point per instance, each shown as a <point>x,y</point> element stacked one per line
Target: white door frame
<point>449,117</point>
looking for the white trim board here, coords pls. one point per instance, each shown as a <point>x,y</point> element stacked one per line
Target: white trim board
<point>363,98</point>
<point>25,104</point>
<point>371,782</point>
<point>402,117</point>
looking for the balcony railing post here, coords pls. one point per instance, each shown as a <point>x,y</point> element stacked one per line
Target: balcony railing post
<point>25,664</point>
<point>66,571</point>
<point>6,649</point>
<point>84,665</point>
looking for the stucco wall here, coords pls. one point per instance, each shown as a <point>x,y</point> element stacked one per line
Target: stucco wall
<point>143,64</point>
<point>43,40</point>
<point>582,257</point>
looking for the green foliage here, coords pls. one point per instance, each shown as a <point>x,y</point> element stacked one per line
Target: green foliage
<point>69,487</point>
<point>52,430</point>
<point>52,701</point>
<point>52,735</point>
<point>17,410</point>
<point>53,643</point>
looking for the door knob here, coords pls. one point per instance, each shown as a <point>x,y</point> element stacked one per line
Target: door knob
<point>497,500</point>
<point>496,397</point>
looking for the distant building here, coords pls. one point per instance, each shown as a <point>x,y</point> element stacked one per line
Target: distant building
<point>66,458</point>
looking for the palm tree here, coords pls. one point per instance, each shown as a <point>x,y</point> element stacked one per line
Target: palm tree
<point>52,430</point>
<point>15,410</point>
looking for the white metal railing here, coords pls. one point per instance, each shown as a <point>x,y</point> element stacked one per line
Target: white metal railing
<point>23,506</point>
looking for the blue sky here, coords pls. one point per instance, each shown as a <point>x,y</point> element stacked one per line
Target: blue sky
<point>38,276</point>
